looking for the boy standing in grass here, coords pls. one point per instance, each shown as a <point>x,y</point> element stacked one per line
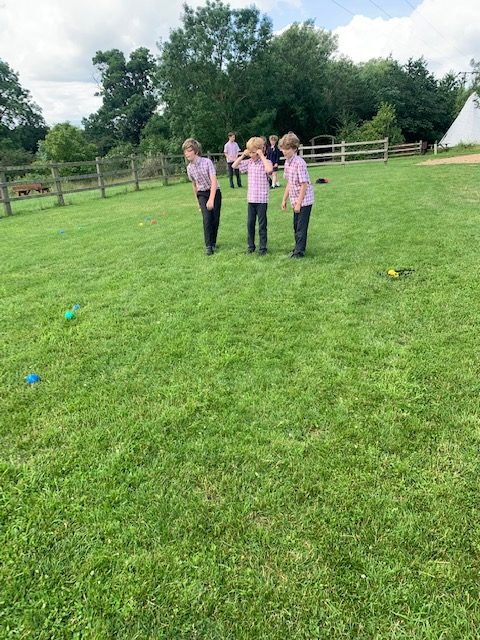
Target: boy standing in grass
<point>203,175</point>
<point>273,154</point>
<point>231,151</point>
<point>299,189</point>
<point>258,168</point>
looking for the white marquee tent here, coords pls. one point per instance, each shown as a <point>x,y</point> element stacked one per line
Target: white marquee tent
<point>466,126</point>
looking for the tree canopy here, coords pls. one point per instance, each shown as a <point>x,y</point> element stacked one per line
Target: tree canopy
<point>21,121</point>
<point>66,143</point>
<point>211,72</point>
<point>129,97</point>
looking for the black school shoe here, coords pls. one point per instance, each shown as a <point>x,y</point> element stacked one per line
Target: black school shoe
<point>262,252</point>
<point>297,255</point>
<point>209,251</point>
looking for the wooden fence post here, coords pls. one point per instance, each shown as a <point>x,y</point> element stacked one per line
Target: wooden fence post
<point>163,166</point>
<point>385,150</point>
<point>342,151</point>
<point>4,194</point>
<point>58,183</point>
<point>134,172</point>
<point>435,148</point>
<point>101,183</point>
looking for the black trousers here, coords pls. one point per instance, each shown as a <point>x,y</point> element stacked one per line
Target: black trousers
<point>211,219</point>
<point>300,228</point>
<point>231,171</point>
<point>257,209</point>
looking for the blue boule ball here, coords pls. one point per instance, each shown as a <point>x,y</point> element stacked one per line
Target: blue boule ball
<point>69,315</point>
<point>32,378</point>
<point>76,307</point>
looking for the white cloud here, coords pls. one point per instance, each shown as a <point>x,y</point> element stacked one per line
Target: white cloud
<point>447,35</point>
<point>65,101</point>
<point>51,45</point>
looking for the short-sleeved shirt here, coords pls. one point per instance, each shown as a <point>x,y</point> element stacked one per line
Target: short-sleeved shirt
<point>200,172</point>
<point>296,173</point>
<point>258,187</point>
<point>231,150</point>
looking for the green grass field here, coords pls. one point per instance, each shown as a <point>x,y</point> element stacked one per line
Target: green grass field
<point>235,447</point>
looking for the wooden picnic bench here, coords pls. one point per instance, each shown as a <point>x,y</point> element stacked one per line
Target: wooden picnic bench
<point>24,189</point>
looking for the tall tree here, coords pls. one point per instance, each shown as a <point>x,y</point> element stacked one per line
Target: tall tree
<point>16,105</point>
<point>422,116</point>
<point>129,97</point>
<point>302,56</point>
<point>21,121</point>
<point>211,72</point>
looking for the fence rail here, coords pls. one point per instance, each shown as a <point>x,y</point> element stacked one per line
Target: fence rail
<point>61,179</point>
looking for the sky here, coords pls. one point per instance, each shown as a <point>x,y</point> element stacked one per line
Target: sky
<point>51,48</point>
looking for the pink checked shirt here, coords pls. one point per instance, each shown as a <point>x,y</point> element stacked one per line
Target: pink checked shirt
<point>200,172</point>
<point>258,186</point>
<point>231,150</point>
<point>296,172</point>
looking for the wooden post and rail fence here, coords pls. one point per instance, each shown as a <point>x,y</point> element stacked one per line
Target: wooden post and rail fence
<point>61,179</point>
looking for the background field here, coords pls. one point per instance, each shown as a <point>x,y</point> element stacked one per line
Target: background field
<point>241,447</point>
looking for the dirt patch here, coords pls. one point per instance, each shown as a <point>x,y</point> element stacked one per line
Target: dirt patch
<point>473,158</point>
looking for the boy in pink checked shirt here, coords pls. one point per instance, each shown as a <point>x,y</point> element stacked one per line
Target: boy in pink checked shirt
<point>231,151</point>
<point>299,189</point>
<point>258,169</point>
<point>203,175</point>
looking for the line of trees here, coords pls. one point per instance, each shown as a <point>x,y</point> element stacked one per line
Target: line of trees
<point>224,69</point>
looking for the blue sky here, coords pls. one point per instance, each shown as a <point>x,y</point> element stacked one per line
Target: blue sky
<point>54,61</point>
<point>329,15</point>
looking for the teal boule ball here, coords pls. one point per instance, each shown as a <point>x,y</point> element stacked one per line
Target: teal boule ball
<point>69,315</point>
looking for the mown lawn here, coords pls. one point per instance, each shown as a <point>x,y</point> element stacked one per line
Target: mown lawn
<point>235,447</point>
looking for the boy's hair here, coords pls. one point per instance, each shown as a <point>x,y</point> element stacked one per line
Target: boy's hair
<point>255,143</point>
<point>191,143</point>
<point>289,141</point>
<point>231,133</point>
<point>273,137</point>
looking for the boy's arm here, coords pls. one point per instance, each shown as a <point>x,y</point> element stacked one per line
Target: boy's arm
<point>194,187</point>
<point>213,191</point>
<point>285,197</point>
<point>301,195</point>
<point>239,159</point>
<point>266,163</point>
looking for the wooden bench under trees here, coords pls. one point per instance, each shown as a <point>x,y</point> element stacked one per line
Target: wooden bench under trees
<point>24,189</point>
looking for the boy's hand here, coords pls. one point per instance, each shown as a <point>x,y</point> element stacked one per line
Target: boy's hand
<point>260,153</point>
<point>284,205</point>
<point>296,208</point>
<point>209,204</point>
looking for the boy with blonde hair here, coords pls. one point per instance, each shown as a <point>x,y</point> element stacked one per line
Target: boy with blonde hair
<point>201,171</point>
<point>258,168</point>
<point>299,189</point>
